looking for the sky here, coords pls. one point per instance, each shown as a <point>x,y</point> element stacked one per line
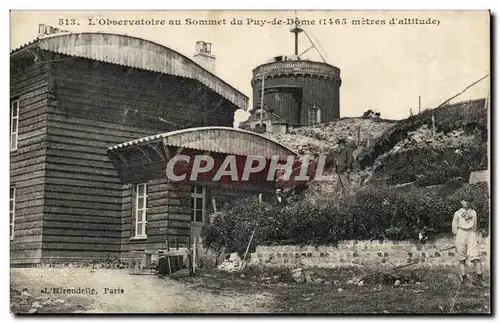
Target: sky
<point>384,67</point>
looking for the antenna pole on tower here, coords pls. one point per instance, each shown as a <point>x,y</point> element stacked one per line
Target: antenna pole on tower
<point>296,30</point>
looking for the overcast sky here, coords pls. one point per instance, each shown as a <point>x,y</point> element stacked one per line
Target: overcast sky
<point>383,67</point>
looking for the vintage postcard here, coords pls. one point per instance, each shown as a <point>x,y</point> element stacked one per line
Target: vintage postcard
<point>250,162</point>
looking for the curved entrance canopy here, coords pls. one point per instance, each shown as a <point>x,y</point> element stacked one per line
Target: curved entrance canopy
<point>148,158</point>
<point>225,140</point>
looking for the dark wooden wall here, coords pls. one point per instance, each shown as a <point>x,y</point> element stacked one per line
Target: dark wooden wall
<point>29,84</point>
<point>323,92</point>
<point>72,110</point>
<point>169,212</point>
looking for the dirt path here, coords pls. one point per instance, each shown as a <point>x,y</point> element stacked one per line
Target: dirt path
<point>141,293</point>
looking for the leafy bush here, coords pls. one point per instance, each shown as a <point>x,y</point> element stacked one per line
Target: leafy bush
<point>431,166</point>
<point>469,115</point>
<point>374,214</point>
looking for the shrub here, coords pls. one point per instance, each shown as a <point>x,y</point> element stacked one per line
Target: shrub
<point>373,214</point>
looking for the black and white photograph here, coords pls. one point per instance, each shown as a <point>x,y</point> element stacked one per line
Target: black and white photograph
<point>250,162</point>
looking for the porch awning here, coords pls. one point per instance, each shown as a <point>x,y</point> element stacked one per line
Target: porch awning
<point>224,140</point>
<point>146,158</point>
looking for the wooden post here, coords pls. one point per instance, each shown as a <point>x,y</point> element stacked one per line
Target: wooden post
<point>262,99</point>
<point>248,246</point>
<point>169,265</point>
<point>433,127</point>
<point>195,242</point>
<point>189,262</point>
<point>214,205</point>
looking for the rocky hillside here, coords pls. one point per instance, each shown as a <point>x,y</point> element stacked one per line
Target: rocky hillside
<point>321,138</point>
<point>403,151</point>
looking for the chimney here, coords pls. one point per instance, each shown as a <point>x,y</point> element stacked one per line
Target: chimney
<point>204,56</point>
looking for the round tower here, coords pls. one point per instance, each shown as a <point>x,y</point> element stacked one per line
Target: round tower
<point>301,92</point>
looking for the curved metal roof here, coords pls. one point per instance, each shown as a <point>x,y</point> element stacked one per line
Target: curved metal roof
<point>137,53</point>
<point>225,140</point>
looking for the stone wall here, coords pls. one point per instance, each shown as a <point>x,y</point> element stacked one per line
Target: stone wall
<point>367,254</point>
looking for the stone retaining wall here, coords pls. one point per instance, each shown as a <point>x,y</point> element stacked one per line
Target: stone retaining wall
<point>366,254</point>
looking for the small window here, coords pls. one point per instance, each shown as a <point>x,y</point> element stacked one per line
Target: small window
<point>141,200</point>
<point>14,124</point>
<point>198,204</point>
<point>12,210</point>
<point>314,115</point>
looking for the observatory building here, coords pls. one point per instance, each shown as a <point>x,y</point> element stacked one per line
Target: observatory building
<point>293,92</point>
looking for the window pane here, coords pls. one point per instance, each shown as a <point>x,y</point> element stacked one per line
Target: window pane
<point>11,217</point>
<point>14,125</point>
<point>140,203</point>
<point>139,230</point>
<point>192,215</point>
<point>199,202</point>
<point>141,189</point>
<point>14,110</point>
<point>199,216</point>
<point>12,192</point>
<point>11,230</point>
<point>13,141</point>
<point>11,205</point>
<point>140,215</point>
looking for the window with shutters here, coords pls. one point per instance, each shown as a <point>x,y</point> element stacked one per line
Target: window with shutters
<point>140,201</point>
<point>12,210</point>
<point>198,197</point>
<point>14,124</point>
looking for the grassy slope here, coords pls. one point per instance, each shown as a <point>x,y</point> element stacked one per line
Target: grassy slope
<point>431,291</point>
<point>468,116</point>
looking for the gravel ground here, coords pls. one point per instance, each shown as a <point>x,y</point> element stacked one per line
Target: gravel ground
<point>133,293</point>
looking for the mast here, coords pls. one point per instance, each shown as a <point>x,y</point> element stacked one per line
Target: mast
<point>296,30</point>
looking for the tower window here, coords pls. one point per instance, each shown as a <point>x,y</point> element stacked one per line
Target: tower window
<point>314,115</point>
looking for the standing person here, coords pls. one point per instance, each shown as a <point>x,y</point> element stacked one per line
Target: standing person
<point>351,146</point>
<point>279,198</point>
<point>340,151</point>
<point>464,226</point>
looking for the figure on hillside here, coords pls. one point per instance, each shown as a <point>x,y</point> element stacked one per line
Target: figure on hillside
<point>351,146</point>
<point>341,153</point>
<point>279,198</point>
<point>344,154</point>
<point>464,226</point>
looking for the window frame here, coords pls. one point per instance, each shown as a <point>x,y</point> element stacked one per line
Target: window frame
<point>14,145</point>
<point>137,209</point>
<point>12,210</point>
<point>197,195</point>
<point>313,113</point>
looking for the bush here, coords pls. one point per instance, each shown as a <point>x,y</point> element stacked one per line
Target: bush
<point>373,214</point>
<point>431,166</point>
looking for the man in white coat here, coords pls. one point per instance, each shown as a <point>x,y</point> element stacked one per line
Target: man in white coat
<point>464,226</point>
